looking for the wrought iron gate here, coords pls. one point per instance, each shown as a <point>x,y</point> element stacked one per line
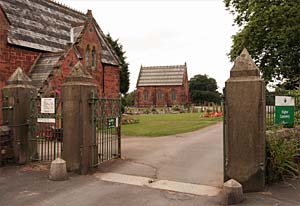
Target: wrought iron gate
<point>45,128</point>
<point>106,129</point>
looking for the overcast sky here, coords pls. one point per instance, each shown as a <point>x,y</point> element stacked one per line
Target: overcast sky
<point>167,32</point>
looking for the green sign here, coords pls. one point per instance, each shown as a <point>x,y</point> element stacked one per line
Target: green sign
<point>284,115</point>
<point>284,110</point>
<point>111,122</point>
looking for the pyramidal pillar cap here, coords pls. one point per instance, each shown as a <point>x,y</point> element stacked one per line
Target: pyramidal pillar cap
<point>244,66</point>
<point>19,77</point>
<point>79,73</point>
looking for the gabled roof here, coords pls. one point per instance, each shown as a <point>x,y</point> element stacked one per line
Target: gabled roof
<point>46,25</point>
<point>161,75</point>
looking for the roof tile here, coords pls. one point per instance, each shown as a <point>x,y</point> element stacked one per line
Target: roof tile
<point>161,75</point>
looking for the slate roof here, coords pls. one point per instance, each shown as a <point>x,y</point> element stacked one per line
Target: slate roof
<point>43,67</point>
<point>161,75</point>
<point>45,25</point>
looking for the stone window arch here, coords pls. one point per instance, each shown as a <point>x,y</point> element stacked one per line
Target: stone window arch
<point>146,95</point>
<point>94,57</point>
<point>87,55</point>
<point>173,95</point>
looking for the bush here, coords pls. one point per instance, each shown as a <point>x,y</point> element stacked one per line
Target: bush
<point>282,157</point>
<point>175,107</point>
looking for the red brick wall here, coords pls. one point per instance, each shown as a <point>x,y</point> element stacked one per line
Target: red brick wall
<point>91,39</point>
<point>166,100</point>
<point>111,81</point>
<point>186,86</point>
<point>111,73</point>
<point>59,75</point>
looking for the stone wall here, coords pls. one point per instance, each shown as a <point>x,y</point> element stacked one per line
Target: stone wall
<point>286,133</point>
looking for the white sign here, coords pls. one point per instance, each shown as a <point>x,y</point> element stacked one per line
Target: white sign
<point>48,105</point>
<point>284,101</point>
<point>46,120</point>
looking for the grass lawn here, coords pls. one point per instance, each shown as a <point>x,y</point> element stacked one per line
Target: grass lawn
<point>167,124</point>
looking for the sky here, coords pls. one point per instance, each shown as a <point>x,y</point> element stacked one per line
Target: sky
<point>168,32</point>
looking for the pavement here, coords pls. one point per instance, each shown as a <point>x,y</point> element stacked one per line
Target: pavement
<point>178,170</point>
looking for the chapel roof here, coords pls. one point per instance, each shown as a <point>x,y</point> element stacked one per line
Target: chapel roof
<point>161,75</point>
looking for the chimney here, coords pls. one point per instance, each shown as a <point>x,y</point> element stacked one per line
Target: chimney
<point>89,13</point>
<point>72,35</point>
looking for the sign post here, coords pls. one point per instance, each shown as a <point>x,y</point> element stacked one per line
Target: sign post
<point>284,110</point>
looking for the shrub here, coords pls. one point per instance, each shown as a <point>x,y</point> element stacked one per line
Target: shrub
<point>147,111</point>
<point>175,107</point>
<point>282,157</point>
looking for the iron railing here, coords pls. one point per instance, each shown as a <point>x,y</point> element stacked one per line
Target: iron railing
<point>45,130</point>
<point>106,129</point>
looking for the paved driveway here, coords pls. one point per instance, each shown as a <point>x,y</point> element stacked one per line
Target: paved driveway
<point>195,157</point>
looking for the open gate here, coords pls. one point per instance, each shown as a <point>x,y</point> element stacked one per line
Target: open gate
<point>106,129</point>
<point>45,128</point>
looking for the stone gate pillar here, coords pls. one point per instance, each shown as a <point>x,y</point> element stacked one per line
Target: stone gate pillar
<point>16,112</point>
<point>77,119</point>
<point>245,125</point>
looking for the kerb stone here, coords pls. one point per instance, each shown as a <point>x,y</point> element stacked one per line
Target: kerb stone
<point>232,192</point>
<point>58,170</point>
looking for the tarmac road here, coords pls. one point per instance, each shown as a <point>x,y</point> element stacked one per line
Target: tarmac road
<point>195,157</point>
<point>192,158</point>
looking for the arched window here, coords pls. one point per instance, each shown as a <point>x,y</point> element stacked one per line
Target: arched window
<point>173,95</point>
<point>159,95</point>
<point>146,95</point>
<point>94,57</point>
<point>87,55</point>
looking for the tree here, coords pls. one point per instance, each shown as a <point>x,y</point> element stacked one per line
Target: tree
<point>204,89</point>
<point>129,99</point>
<point>124,74</point>
<point>270,30</point>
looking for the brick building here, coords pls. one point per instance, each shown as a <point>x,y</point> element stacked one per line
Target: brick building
<point>162,86</point>
<point>46,39</point>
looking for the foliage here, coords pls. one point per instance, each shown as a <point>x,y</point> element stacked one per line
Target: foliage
<point>282,154</point>
<point>126,119</point>
<point>270,30</point>
<point>129,99</point>
<point>124,74</point>
<point>204,89</point>
<point>167,124</point>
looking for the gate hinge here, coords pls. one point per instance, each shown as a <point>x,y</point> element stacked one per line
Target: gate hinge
<point>7,108</point>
